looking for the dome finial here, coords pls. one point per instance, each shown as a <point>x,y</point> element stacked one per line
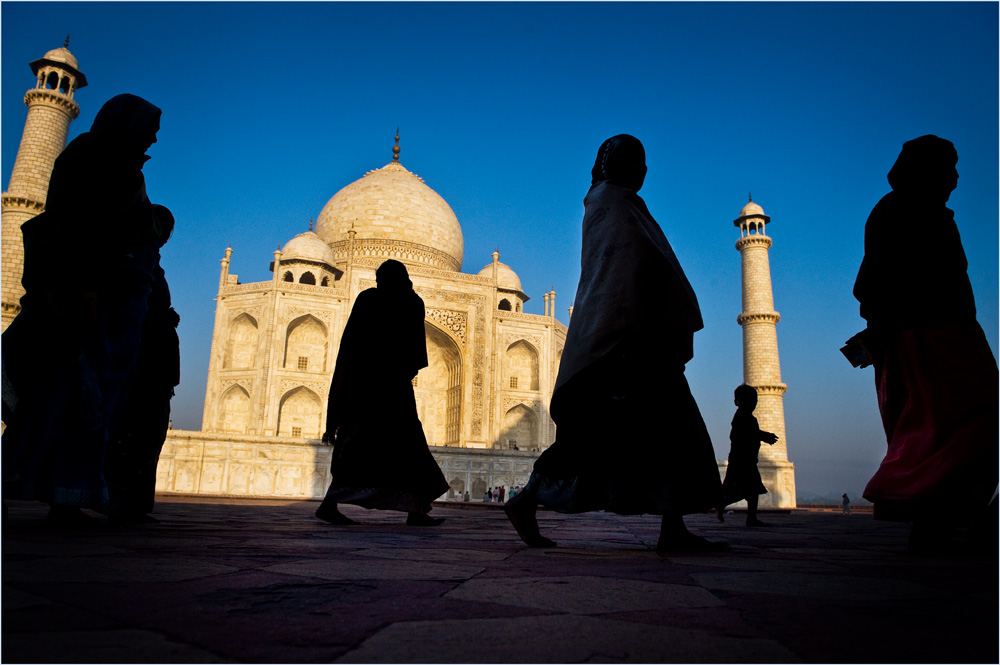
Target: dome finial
<point>395,148</point>
<point>66,43</point>
<point>310,225</point>
<point>750,196</point>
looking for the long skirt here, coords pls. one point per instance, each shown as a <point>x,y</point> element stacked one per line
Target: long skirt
<point>937,393</point>
<point>66,386</point>
<point>380,456</point>
<point>630,440</point>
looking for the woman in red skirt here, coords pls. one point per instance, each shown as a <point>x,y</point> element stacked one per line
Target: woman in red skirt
<point>935,374</point>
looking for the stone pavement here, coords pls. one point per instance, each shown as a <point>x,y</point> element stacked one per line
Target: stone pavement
<point>264,581</point>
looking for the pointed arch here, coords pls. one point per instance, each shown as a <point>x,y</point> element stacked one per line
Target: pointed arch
<point>438,388</point>
<point>306,342</point>
<point>234,410</point>
<point>241,343</point>
<point>307,278</point>
<point>299,414</point>
<point>521,367</point>
<point>520,429</point>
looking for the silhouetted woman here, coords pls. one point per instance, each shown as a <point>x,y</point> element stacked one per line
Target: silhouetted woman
<point>134,448</point>
<point>69,352</point>
<point>380,455</point>
<point>631,439</point>
<point>935,375</point>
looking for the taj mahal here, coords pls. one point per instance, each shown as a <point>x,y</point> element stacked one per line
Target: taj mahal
<point>483,400</point>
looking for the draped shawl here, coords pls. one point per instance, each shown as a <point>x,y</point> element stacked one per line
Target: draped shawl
<point>630,284</point>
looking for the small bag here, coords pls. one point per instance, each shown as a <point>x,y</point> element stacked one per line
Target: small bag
<point>857,349</point>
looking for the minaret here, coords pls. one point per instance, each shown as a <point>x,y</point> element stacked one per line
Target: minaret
<point>760,354</point>
<point>50,110</point>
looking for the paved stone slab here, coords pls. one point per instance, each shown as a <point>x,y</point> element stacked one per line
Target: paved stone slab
<point>826,587</point>
<point>448,554</point>
<point>583,595</point>
<point>265,581</point>
<point>367,568</point>
<point>739,561</point>
<point>110,569</point>
<point>104,646</point>
<point>557,639</point>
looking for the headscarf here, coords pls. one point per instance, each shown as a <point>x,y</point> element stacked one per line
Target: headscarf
<point>392,276</point>
<point>901,271</point>
<point>925,168</point>
<point>621,160</point>
<point>127,119</point>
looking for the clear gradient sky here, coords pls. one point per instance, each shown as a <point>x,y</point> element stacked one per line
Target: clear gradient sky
<point>270,108</point>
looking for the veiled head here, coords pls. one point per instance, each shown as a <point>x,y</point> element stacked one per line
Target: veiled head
<point>621,160</point>
<point>130,120</point>
<point>392,275</point>
<point>926,167</point>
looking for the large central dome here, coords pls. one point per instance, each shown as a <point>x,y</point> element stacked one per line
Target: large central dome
<point>395,216</point>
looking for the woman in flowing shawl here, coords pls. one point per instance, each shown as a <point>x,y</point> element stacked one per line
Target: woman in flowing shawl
<point>935,375</point>
<point>380,454</point>
<point>135,444</point>
<point>69,352</point>
<point>631,438</point>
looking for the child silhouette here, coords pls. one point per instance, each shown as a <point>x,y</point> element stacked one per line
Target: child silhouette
<point>742,477</point>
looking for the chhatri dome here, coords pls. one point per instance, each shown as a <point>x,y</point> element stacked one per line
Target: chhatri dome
<point>751,210</point>
<point>506,277</point>
<point>394,216</point>
<point>309,247</point>
<point>62,55</point>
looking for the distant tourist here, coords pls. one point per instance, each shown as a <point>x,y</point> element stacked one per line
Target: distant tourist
<point>742,477</point>
<point>935,375</point>
<point>845,504</point>
<point>380,455</point>
<point>631,439</point>
<point>68,354</point>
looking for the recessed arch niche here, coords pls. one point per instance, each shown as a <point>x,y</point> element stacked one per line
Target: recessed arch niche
<point>438,389</point>
<point>299,414</point>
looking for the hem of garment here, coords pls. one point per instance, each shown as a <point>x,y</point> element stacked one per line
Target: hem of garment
<point>378,498</point>
<point>565,496</point>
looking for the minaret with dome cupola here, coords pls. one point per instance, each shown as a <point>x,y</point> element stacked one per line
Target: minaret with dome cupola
<point>51,108</point>
<point>761,368</point>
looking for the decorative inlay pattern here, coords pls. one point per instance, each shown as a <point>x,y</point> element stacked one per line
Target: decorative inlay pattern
<point>401,250</point>
<point>534,340</point>
<point>533,404</point>
<point>245,383</point>
<point>450,320</point>
<point>252,311</point>
<point>287,385</point>
<point>294,312</point>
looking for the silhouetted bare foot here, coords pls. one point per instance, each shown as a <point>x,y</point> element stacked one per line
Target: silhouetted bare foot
<point>686,541</point>
<point>69,518</point>
<point>521,514</point>
<point>334,517</point>
<point>422,519</point>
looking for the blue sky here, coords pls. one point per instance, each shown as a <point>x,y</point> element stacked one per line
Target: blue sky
<point>270,108</point>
